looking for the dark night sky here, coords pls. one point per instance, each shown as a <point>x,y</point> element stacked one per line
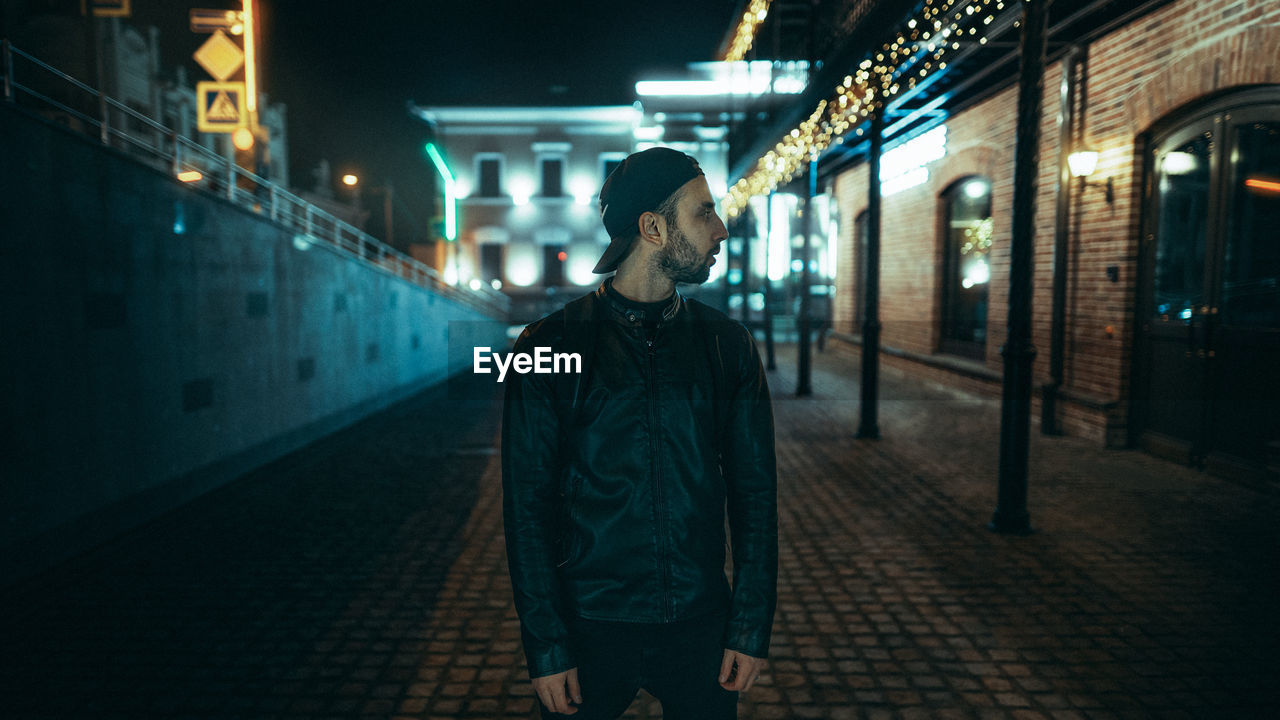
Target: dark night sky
<point>346,69</point>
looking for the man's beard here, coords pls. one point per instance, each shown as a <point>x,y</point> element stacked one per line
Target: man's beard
<point>680,262</point>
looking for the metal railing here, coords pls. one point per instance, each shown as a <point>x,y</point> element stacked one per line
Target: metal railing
<point>48,91</point>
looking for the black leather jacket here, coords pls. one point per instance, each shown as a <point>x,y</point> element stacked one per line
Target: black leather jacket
<point>616,481</point>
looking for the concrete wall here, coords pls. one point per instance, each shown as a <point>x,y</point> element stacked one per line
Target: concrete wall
<point>158,341</point>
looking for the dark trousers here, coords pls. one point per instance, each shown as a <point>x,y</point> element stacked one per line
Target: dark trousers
<point>678,663</point>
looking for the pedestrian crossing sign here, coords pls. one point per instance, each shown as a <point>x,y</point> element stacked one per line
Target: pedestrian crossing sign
<point>221,106</point>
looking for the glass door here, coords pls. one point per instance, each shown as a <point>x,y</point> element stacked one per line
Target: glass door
<point>1245,344</point>
<point>1210,340</point>
<point>1180,207</point>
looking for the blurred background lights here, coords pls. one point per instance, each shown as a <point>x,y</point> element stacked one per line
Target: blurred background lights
<point>904,166</point>
<point>522,264</point>
<point>976,188</point>
<point>350,180</point>
<point>580,266</point>
<point>977,273</point>
<point>583,190</point>
<point>653,132</point>
<point>1082,162</point>
<point>521,189</point>
<point>1179,163</point>
<point>779,230</point>
<point>242,138</point>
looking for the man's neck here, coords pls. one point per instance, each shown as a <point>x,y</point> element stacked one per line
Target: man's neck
<point>642,287</point>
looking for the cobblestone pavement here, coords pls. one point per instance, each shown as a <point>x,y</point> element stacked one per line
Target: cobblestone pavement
<point>365,577</point>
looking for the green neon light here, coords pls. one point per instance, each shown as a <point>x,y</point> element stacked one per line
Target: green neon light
<point>450,198</point>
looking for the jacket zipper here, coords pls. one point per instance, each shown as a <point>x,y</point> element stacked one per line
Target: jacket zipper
<point>656,472</point>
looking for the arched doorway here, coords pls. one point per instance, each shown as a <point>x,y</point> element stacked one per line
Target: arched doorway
<point>966,272</point>
<point>1209,300</point>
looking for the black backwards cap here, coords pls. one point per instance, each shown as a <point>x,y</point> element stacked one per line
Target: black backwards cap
<point>638,185</point>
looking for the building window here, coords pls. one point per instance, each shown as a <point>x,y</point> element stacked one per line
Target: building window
<point>610,164</point>
<point>489,170</point>
<point>491,261</point>
<point>966,269</point>
<point>552,177</point>
<point>554,258</point>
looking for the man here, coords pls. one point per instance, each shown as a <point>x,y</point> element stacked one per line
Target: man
<point>617,479</point>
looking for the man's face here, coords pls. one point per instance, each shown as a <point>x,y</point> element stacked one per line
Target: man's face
<point>694,239</point>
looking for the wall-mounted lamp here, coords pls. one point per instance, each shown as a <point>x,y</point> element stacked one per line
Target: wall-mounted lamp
<point>1082,163</point>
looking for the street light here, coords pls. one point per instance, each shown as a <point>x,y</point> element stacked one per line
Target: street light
<point>250,63</point>
<point>353,181</point>
<point>1082,163</point>
<point>242,138</point>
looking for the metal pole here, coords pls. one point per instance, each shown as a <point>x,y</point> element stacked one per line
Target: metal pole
<point>770,358</point>
<point>1049,424</point>
<point>745,285</point>
<point>805,360</point>
<point>177,152</point>
<point>104,124</point>
<point>1015,418</point>
<point>870,426</point>
<point>6,55</point>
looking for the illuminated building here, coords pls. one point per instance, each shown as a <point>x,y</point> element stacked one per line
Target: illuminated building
<point>527,179</point>
<point>1156,278</point>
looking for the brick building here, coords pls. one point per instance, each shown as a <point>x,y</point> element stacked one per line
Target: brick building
<point>1171,286</point>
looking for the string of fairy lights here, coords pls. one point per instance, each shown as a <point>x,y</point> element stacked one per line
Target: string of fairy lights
<point>916,50</point>
<point>755,14</point>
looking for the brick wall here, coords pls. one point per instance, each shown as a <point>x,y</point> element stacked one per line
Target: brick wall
<point>1136,76</point>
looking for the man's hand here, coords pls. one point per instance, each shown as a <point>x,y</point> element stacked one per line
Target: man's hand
<point>738,672</point>
<point>551,691</point>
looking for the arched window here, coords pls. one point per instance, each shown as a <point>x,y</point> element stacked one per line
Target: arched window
<point>966,269</point>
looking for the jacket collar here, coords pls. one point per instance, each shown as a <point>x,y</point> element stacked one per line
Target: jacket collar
<point>634,316</point>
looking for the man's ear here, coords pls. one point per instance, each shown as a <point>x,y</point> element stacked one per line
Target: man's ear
<point>652,227</point>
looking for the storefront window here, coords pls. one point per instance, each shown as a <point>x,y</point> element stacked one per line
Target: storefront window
<point>966,267</point>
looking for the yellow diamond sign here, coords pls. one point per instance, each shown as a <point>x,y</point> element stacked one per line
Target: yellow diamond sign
<point>220,56</point>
